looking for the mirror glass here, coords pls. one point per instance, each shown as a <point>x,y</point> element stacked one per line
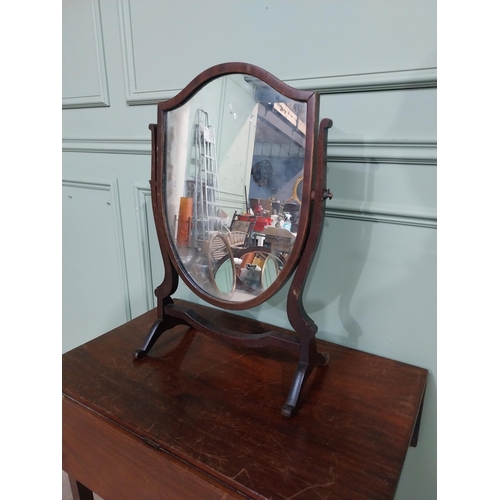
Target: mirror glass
<point>271,270</point>
<point>221,268</point>
<point>233,160</point>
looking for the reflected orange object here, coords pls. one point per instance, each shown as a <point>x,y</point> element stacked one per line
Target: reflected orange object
<point>185,215</point>
<point>246,259</point>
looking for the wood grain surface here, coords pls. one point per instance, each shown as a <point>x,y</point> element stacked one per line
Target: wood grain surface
<point>203,415</point>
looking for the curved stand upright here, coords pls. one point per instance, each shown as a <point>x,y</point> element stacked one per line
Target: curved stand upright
<point>309,357</point>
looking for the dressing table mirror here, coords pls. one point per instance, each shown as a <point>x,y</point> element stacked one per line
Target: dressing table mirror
<point>238,190</point>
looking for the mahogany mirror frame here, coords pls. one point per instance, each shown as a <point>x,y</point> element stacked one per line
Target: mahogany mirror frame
<point>166,243</point>
<point>314,193</point>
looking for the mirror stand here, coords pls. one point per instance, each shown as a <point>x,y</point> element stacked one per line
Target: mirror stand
<point>170,314</point>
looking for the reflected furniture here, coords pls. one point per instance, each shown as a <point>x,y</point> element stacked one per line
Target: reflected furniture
<point>199,419</point>
<point>279,239</point>
<point>240,231</point>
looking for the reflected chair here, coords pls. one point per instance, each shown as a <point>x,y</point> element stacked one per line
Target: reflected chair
<point>240,231</point>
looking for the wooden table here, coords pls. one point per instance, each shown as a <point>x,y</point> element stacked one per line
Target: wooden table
<point>199,419</point>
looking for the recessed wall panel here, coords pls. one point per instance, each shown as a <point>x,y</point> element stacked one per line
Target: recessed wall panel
<point>84,80</point>
<point>294,40</point>
<point>93,288</point>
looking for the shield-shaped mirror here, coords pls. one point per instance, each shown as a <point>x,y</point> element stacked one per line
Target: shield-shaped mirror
<point>232,150</point>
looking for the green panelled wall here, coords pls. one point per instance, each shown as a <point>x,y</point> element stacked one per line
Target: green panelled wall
<point>373,283</point>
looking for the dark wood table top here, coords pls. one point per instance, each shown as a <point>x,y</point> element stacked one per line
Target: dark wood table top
<point>216,409</point>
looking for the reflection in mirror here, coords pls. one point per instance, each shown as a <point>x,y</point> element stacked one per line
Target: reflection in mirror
<point>234,158</point>
<point>221,267</point>
<point>225,278</point>
<point>297,191</point>
<point>270,270</point>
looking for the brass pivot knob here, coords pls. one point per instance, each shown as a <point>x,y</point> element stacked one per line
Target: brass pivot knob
<point>327,194</point>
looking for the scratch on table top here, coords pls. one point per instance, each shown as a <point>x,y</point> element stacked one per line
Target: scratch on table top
<point>280,445</point>
<point>313,486</point>
<point>218,364</point>
<point>259,387</point>
<point>246,473</point>
<point>207,455</point>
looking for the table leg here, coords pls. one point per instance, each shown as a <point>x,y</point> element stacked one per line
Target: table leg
<point>80,491</point>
